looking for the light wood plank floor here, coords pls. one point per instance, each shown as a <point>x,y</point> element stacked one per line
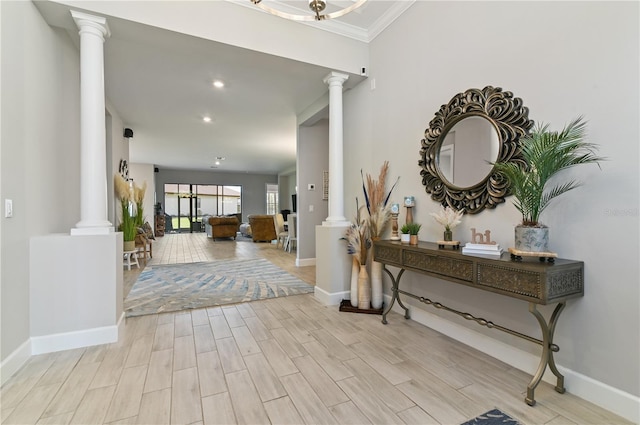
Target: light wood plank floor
<point>289,360</point>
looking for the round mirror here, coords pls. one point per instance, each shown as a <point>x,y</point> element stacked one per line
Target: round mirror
<point>467,151</point>
<point>475,128</point>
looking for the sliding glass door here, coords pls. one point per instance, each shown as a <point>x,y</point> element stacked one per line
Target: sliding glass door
<point>187,203</point>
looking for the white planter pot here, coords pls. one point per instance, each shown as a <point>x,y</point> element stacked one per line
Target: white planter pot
<point>532,239</point>
<point>405,237</point>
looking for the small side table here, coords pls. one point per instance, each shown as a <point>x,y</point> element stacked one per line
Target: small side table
<point>131,258</point>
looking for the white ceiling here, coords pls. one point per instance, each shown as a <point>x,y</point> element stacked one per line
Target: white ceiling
<point>160,83</point>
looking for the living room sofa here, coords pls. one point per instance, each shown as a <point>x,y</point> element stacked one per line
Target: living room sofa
<point>222,226</point>
<point>262,227</point>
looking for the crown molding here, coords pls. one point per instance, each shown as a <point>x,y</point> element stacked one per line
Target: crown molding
<point>398,8</point>
<point>339,27</point>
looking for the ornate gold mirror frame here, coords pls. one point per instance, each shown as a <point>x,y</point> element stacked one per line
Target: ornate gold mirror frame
<point>511,121</point>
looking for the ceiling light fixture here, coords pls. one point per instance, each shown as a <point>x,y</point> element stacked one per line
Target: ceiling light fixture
<point>218,84</point>
<point>206,119</point>
<point>316,6</point>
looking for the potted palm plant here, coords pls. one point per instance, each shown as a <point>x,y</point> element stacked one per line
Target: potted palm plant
<point>545,153</point>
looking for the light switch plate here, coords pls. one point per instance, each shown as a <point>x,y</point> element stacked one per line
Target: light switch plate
<point>8,208</point>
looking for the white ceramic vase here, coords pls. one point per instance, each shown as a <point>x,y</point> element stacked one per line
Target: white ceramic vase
<point>355,270</point>
<point>405,237</point>
<point>376,285</point>
<point>364,289</point>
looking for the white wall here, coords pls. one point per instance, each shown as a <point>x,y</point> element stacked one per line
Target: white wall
<point>313,159</point>
<point>563,60</point>
<point>286,188</point>
<point>40,151</point>
<point>117,150</point>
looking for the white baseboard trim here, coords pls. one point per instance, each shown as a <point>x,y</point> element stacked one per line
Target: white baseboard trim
<point>75,339</point>
<point>596,392</point>
<point>58,342</point>
<point>302,262</point>
<point>328,298</point>
<point>14,361</point>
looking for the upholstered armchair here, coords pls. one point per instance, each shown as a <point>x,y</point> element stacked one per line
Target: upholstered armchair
<point>223,227</point>
<point>262,228</point>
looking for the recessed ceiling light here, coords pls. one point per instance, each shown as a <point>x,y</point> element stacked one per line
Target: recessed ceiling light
<point>218,84</point>
<point>217,162</point>
<point>206,119</point>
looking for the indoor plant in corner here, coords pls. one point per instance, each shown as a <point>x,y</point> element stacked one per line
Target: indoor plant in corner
<point>545,153</point>
<point>127,222</point>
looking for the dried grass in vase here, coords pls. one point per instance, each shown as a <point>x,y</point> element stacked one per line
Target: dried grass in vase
<point>358,237</point>
<point>377,200</point>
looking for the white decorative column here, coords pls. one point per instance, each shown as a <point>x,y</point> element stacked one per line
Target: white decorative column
<point>76,282</point>
<point>335,80</point>
<point>333,263</point>
<point>93,158</point>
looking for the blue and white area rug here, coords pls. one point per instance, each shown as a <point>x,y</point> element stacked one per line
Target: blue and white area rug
<point>174,287</point>
<point>493,417</point>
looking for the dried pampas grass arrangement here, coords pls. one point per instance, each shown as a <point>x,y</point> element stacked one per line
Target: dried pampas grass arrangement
<point>377,200</point>
<point>122,188</point>
<point>138,198</point>
<point>358,237</point>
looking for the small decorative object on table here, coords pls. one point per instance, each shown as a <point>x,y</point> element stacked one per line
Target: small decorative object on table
<point>409,203</point>
<point>517,255</point>
<point>405,237</point>
<point>449,218</point>
<point>413,229</point>
<point>395,209</point>
<point>481,244</point>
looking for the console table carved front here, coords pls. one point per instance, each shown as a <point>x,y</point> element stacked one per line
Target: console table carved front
<point>529,280</point>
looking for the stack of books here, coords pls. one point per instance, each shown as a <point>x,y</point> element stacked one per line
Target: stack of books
<point>482,249</point>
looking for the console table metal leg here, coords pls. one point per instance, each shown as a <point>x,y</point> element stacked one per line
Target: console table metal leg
<point>548,348</point>
<point>395,281</point>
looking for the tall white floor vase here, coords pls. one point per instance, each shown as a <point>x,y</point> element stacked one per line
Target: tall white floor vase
<point>355,270</point>
<point>364,289</point>
<point>376,285</point>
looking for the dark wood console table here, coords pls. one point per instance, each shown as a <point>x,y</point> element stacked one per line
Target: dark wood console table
<point>528,280</point>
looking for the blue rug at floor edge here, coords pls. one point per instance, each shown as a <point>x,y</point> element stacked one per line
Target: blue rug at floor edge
<point>492,417</point>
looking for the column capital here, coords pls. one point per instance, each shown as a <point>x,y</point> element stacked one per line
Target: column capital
<point>91,23</point>
<point>335,78</point>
